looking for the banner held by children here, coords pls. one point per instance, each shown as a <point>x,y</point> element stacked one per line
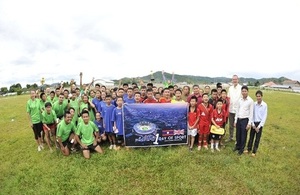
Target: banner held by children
<point>155,124</point>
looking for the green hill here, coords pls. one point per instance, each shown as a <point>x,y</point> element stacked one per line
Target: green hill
<point>191,79</point>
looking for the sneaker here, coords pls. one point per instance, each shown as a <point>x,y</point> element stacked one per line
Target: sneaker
<point>253,154</point>
<point>246,151</point>
<point>206,147</point>
<point>218,149</point>
<point>116,148</point>
<point>39,148</point>
<point>111,147</point>
<point>42,147</point>
<point>190,149</point>
<point>199,148</point>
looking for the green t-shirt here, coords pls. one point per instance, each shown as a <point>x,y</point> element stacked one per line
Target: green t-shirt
<point>49,118</point>
<point>65,101</point>
<point>74,104</point>
<point>51,101</point>
<point>42,104</point>
<point>64,130</point>
<point>59,108</point>
<point>86,131</point>
<point>33,107</point>
<point>91,113</point>
<point>80,120</point>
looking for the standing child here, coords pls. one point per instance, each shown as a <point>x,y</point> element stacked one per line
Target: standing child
<point>205,110</point>
<point>193,119</point>
<point>225,108</point>
<point>107,111</point>
<point>33,109</point>
<point>117,119</point>
<point>260,112</point>
<point>218,120</point>
<point>49,123</point>
<point>99,123</point>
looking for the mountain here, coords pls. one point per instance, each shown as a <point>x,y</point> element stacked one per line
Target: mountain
<point>191,79</point>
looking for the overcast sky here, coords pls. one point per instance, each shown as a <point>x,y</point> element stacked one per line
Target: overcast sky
<point>112,39</point>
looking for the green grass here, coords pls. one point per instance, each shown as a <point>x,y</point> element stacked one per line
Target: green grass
<point>164,170</point>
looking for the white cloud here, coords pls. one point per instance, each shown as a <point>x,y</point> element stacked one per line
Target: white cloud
<point>114,39</point>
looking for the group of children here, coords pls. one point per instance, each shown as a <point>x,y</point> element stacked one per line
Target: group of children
<point>84,119</point>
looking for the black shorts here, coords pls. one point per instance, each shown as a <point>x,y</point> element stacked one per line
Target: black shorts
<point>215,136</point>
<point>90,147</point>
<point>109,133</point>
<point>37,129</point>
<point>65,143</point>
<point>120,137</point>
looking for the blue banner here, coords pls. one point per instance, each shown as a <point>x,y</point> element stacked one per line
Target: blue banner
<point>156,124</point>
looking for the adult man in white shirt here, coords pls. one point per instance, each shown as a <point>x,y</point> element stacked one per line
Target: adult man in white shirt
<point>234,94</point>
<point>260,112</point>
<point>243,120</point>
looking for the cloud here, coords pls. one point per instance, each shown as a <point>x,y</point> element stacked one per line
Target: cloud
<point>23,61</point>
<point>103,39</point>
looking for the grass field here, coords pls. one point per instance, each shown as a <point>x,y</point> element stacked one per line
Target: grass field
<point>164,170</point>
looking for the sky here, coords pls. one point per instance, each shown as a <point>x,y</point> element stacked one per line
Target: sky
<point>57,40</point>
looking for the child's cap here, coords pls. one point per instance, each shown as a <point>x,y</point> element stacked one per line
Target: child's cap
<point>47,104</point>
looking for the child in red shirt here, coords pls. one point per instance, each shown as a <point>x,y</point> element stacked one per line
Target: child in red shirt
<point>193,118</point>
<point>205,110</point>
<point>217,119</point>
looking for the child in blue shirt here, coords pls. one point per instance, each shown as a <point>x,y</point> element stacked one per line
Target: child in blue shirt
<point>99,123</point>
<point>117,119</point>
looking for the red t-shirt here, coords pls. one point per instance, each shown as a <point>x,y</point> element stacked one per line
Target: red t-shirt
<point>192,117</point>
<point>205,113</point>
<point>219,118</point>
<point>164,100</point>
<point>147,100</point>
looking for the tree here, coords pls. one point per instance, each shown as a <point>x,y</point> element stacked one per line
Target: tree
<point>18,85</point>
<point>15,87</point>
<point>28,86</point>
<point>4,89</point>
<point>34,86</point>
<point>256,84</point>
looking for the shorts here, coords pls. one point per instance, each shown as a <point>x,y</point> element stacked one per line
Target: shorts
<point>65,143</point>
<point>37,129</point>
<point>204,128</point>
<point>192,132</point>
<point>51,126</point>
<point>90,147</point>
<point>215,136</point>
<point>109,133</point>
